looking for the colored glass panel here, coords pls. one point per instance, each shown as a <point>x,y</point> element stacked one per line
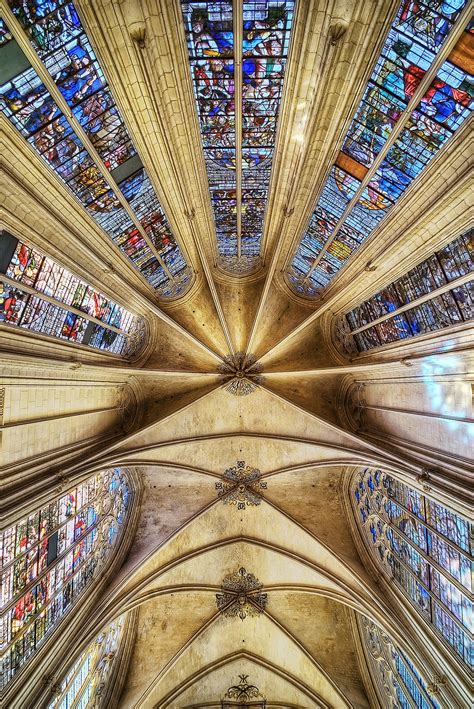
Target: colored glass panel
<point>59,39</point>
<point>49,558</point>
<point>211,45</point>
<point>457,305</point>
<point>32,268</point>
<point>410,49</point>
<point>425,548</point>
<point>402,685</point>
<point>87,679</point>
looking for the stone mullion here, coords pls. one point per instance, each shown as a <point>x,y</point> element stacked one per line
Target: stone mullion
<point>98,524</point>
<point>59,650</point>
<point>58,303</point>
<point>368,679</point>
<point>346,41</point>
<point>160,63</point>
<point>64,107</point>
<point>423,220</point>
<point>60,696</point>
<point>238,32</point>
<point>145,304</point>
<point>456,32</point>
<point>137,289</point>
<point>446,481</point>
<point>144,79</point>
<point>426,647</point>
<point>446,184</point>
<point>450,285</point>
<point>51,230</point>
<point>205,236</point>
<point>386,656</point>
<point>119,671</point>
<point>319,98</point>
<point>383,516</point>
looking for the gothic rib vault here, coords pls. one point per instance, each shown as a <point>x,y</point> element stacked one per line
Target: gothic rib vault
<point>243,416</point>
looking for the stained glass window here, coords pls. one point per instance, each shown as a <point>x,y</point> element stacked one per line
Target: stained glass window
<point>450,307</point>
<point>85,682</point>
<point>399,682</point>
<point>238,88</point>
<point>426,548</point>
<point>88,317</point>
<point>416,37</point>
<point>51,556</point>
<point>56,33</point>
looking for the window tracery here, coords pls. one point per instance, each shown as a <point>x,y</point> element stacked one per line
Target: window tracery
<point>85,683</point>
<point>51,556</point>
<point>142,232</point>
<point>237,65</point>
<point>374,168</point>
<point>41,296</point>
<point>384,317</point>
<point>402,685</point>
<point>425,548</point>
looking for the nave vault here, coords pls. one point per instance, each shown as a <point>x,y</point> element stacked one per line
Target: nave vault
<point>236,309</point>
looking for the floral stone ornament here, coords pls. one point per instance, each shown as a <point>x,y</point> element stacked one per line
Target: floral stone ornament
<point>241,595</point>
<point>241,486</point>
<point>243,691</point>
<point>241,373</point>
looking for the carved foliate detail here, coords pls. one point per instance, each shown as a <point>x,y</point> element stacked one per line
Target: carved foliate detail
<point>243,691</point>
<point>241,373</point>
<point>241,595</point>
<point>241,485</point>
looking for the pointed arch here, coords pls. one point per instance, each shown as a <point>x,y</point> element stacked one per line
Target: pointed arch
<point>395,677</point>
<point>424,548</point>
<point>53,558</point>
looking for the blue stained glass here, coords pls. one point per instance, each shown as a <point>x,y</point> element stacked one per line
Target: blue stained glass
<point>413,683</point>
<point>75,70</point>
<point>450,525</point>
<point>409,51</point>
<point>56,33</point>
<point>428,23</point>
<point>375,119</point>
<point>27,103</point>
<point>396,669</point>
<point>449,99</point>
<point>265,40</point>
<point>452,307</point>
<point>405,532</point>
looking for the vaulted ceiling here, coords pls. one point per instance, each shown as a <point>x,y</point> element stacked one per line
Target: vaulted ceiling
<point>315,411</point>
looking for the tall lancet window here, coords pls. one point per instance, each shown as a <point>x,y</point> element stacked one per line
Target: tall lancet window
<point>418,96</point>
<point>57,97</point>
<point>50,557</point>
<point>435,294</point>
<point>86,683</point>
<point>398,682</point>
<point>425,547</point>
<point>237,54</point>
<point>39,295</point>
